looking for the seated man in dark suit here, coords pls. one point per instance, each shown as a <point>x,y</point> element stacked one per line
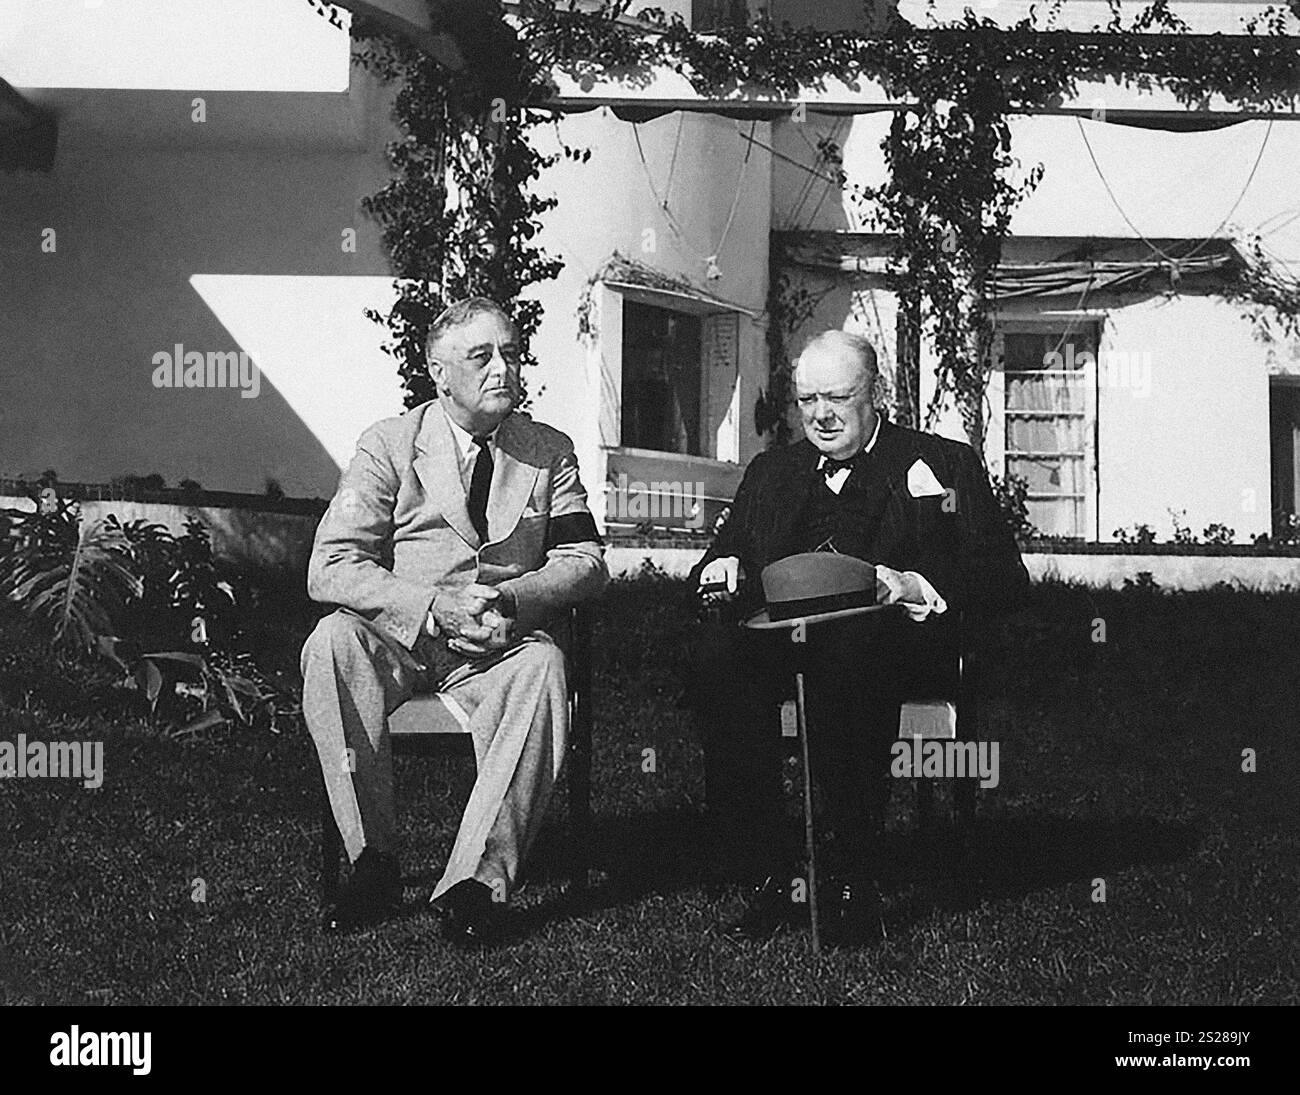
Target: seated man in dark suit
<point>920,509</point>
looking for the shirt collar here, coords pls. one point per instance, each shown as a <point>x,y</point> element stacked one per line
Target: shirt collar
<point>865,448</point>
<point>465,440</point>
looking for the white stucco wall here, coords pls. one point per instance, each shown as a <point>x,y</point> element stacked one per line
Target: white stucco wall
<point>220,235</point>
<point>1198,442</point>
<point>225,235</point>
<point>612,202</point>
<point>1193,439</point>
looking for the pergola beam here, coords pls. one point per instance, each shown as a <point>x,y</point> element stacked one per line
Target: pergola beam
<point>410,20</point>
<point>637,96</point>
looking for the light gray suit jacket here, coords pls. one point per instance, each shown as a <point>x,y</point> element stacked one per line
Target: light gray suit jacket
<point>398,530</point>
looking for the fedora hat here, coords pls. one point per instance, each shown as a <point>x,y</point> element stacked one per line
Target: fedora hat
<point>814,586</point>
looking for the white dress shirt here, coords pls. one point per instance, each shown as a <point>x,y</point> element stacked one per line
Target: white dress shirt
<point>469,450</point>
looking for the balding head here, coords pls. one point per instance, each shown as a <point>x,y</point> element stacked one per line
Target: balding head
<point>834,378</point>
<point>843,346</point>
<point>458,314</point>
<point>473,356</point>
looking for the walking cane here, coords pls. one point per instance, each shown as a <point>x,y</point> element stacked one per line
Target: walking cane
<point>809,842</point>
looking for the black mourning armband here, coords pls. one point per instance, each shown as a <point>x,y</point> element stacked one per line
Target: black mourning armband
<point>571,528</point>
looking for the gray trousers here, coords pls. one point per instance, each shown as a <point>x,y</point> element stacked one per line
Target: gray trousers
<point>514,704</point>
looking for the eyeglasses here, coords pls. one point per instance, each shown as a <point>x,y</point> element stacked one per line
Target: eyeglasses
<point>835,399</point>
<point>509,354</point>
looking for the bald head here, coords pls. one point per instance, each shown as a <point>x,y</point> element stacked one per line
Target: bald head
<point>843,348</point>
<point>834,379</point>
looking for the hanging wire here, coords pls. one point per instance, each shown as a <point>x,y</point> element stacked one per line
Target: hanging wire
<point>826,190</point>
<point>807,184</point>
<point>672,166</point>
<point>674,226</point>
<point>1174,262</point>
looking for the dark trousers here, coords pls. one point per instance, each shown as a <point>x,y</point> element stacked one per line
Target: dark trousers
<point>852,696</point>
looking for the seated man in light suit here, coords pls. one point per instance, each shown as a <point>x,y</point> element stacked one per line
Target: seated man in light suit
<point>459,530</point>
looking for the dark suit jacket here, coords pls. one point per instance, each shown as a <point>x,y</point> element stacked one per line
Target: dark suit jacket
<point>964,547</point>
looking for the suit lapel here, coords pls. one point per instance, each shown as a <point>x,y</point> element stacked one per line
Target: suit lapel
<point>513,477</point>
<point>437,464</point>
<point>791,492</point>
<point>886,484</point>
<point>888,461</point>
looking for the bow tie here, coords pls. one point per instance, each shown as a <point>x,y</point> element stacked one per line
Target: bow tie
<point>830,465</point>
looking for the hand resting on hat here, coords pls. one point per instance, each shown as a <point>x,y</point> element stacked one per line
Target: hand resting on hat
<point>909,589</point>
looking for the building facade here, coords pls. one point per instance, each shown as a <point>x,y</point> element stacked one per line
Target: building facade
<point>182,218</point>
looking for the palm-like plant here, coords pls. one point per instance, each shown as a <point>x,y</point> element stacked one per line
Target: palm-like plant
<point>75,580</point>
<point>116,590</point>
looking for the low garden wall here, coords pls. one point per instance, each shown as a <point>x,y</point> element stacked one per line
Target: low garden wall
<point>248,529</point>
<point>271,533</point>
<point>1171,566</point>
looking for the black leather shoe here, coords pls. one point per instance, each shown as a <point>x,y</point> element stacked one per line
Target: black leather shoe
<point>469,915</point>
<point>769,909</point>
<point>854,915</point>
<point>371,895</point>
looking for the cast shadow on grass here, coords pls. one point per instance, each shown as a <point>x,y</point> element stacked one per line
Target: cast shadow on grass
<point>1005,859</point>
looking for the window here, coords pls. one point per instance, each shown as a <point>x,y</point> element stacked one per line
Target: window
<point>1284,446</point>
<point>717,14</point>
<point>662,380</point>
<point>1047,376</point>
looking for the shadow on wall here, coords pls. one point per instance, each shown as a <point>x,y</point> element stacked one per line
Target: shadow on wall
<point>105,269</point>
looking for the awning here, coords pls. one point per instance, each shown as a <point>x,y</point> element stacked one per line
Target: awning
<point>640,282</point>
<point>1037,265</point>
<point>28,135</point>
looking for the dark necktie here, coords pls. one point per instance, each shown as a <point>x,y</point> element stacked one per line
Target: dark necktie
<point>478,488</point>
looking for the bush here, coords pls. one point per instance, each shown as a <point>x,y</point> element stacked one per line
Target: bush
<point>133,484</point>
<point>152,604</point>
<point>1182,534</point>
<point>75,582</point>
<point>1286,531</point>
<point>1140,534</point>
<point>1144,582</point>
<point>1011,493</point>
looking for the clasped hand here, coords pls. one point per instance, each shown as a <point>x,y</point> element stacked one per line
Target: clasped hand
<point>472,619</point>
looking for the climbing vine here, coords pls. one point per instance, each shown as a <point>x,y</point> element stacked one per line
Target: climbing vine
<point>1271,299</point>
<point>460,214</point>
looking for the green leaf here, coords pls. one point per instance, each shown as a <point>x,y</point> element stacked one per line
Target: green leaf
<point>205,721</point>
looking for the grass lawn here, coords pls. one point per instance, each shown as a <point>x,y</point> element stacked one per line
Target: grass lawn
<point>1120,761</point>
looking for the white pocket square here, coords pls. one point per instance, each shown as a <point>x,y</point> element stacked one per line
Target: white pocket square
<point>921,481</point>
